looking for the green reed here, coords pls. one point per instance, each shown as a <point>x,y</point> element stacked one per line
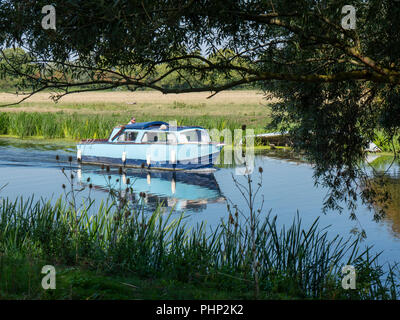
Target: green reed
<point>74,126</point>
<point>294,262</point>
<point>56,125</point>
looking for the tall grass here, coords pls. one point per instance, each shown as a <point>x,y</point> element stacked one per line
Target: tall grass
<point>295,262</point>
<point>85,126</point>
<point>57,125</point>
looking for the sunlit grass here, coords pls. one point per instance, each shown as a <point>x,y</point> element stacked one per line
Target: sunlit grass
<point>75,126</point>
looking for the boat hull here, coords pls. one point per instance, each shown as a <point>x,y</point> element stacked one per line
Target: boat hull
<point>151,156</point>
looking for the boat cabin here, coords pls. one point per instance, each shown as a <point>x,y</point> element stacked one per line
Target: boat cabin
<point>154,145</point>
<point>158,132</point>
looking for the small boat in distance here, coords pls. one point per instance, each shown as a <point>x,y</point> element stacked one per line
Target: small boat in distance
<point>152,145</point>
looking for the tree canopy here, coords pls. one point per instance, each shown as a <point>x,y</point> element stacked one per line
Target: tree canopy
<point>337,86</point>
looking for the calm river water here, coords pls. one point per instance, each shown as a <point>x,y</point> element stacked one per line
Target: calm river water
<point>30,167</point>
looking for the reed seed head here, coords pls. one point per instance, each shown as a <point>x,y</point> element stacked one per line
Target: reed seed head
<point>70,158</point>
<point>57,157</point>
<point>108,168</point>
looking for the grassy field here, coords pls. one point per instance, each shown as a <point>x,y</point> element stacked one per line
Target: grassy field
<point>250,106</point>
<point>92,115</point>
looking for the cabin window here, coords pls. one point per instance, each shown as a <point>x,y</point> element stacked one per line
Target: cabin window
<point>131,136</point>
<point>128,136</point>
<point>121,138</point>
<point>191,136</point>
<point>162,137</point>
<point>154,137</point>
<point>171,138</point>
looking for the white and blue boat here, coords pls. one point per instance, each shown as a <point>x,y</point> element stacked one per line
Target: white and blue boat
<point>152,145</point>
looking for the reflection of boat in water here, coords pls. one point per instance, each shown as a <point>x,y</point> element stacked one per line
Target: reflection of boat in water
<point>178,189</point>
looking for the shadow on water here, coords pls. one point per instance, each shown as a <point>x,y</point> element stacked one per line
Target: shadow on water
<point>38,144</point>
<point>387,179</point>
<point>393,205</point>
<point>233,159</point>
<point>33,152</point>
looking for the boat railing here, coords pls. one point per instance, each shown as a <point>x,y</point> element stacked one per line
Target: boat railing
<point>95,141</point>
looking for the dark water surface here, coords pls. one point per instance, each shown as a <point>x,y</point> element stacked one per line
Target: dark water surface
<point>30,167</point>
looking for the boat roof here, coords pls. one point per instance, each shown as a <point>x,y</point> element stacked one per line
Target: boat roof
<point>155,125</point>
<point>145,125</point>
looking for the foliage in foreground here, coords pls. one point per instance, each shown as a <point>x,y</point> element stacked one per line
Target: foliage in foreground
<point>108,254</point>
